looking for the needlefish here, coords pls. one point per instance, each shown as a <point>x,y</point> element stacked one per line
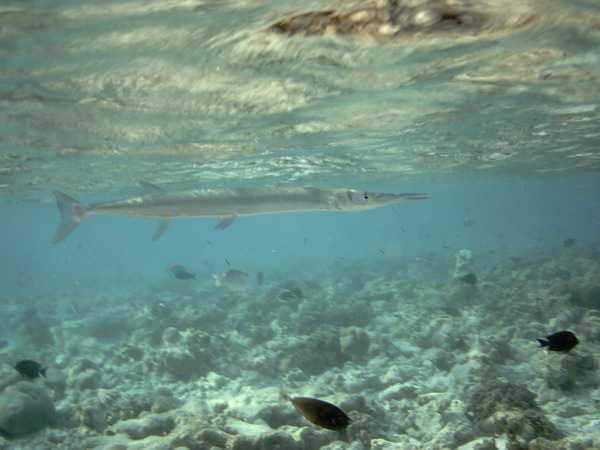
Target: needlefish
<point>226,204</point>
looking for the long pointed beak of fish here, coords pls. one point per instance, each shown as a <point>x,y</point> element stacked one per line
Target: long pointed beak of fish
<point>400,197</point>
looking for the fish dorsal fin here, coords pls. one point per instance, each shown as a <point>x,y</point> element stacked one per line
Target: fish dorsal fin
<point>150,188</point>
<point>224,222</point>
<point>160,229</point>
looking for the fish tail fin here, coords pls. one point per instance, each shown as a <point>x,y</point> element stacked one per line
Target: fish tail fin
<point>284,395</point>
<point>217,278</point>
<point>43,371</point>
<point>71,213</point>
<point>543,343</point>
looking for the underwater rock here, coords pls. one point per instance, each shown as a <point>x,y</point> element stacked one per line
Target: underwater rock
<point>181,364</point>
<point>400,391</point>
<point>464,263</point>
<point>109,406</point>
<point>511,409</point>
<point>188,436</point>
<point>57,382</point>
<point>171,336</point>
<point>354,342</point>
<point>584,293</point>
<point>402,443</point>
<point>188,356</point>
<point>260,333</point>
<point>84,374</point>
<point>258,436</point>
<point>163,400</point>
<point>35,329</point>
<point>131,352</point>
<point>93,414</point>
<point>590,325</point>
<point>109,327</point>
<point>25,407</point>
<point>496,396</point>
<point>441,359</point>
<point>461,295</point>
<point>150,425</point>
<point>572,371</point>
<point>525,425</point>
<point>367,426</point>
<point>318,352</point>
<point>356,313</point>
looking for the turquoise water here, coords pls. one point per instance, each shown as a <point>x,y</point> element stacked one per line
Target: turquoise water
<point>497,123</point>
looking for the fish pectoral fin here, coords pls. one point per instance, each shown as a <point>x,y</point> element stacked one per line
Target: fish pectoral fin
<point>225,222</point>
<point>160,229</point>
<point>150,188</point>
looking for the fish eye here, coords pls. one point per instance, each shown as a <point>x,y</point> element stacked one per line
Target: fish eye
<point>366,196</point>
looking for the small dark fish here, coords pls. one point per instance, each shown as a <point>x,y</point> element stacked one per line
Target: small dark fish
<point>180,272</point>
<point>320,413</point>
<point>469,278</point>
<point>228,263</point>
<point>563,341</point>
<point>381,251</point>
<point>569,242</point>
<point>184,275</point>
<point>260,277</point>
<point>305,241</point>
<point>30,369</point>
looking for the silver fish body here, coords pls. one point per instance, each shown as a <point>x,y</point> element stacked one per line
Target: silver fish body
<point>225,203</point>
